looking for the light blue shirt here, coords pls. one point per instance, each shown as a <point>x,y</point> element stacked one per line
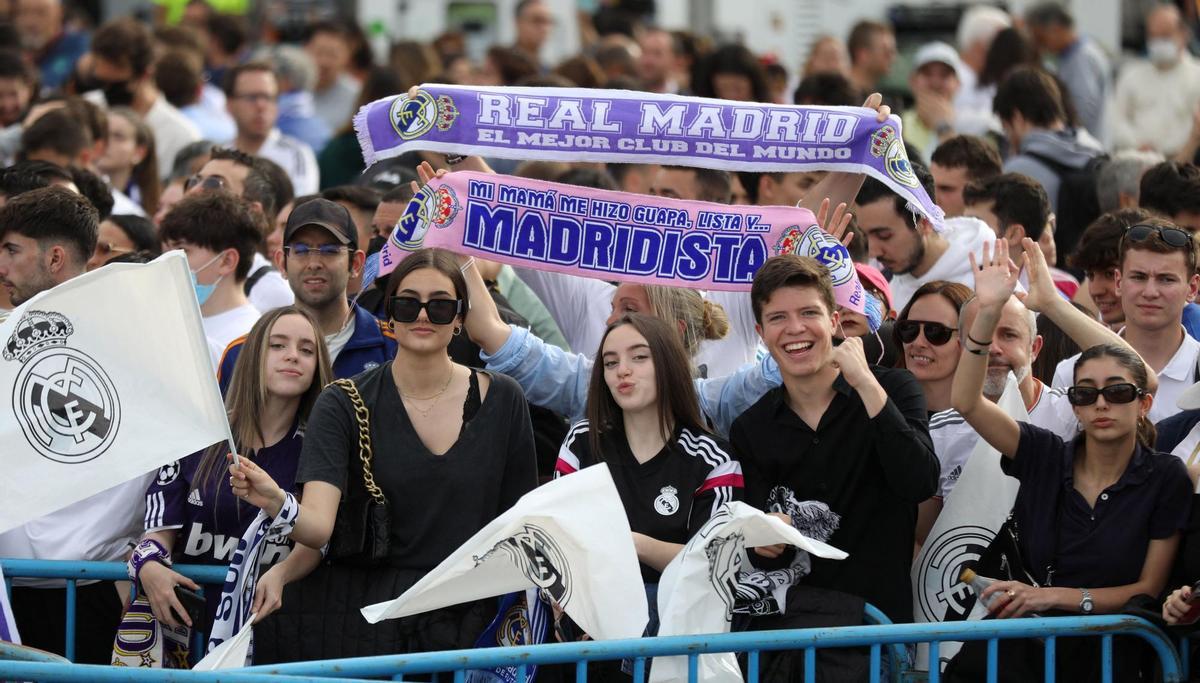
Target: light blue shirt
<point>558,380</point>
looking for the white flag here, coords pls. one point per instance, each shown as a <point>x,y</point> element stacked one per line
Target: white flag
<point>570,538</point>
<point>230,654</point>
<point>696,592</point>
<point>973,514</point>
<point>110,378</point>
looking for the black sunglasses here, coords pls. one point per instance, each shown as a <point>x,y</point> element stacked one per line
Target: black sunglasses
<point>1173,237</point>
<point>1113,393</point>
<point>936,333</point>
<point>212,182</point>
<point>405,309</point>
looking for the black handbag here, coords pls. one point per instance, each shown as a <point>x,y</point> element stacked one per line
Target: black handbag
<point>363,525</point>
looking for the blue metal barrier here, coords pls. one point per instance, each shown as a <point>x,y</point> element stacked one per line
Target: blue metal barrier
<point>97,571</point>
<point>809,641</point>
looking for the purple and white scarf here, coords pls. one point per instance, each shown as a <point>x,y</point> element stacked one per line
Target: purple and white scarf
<point>579,124</point>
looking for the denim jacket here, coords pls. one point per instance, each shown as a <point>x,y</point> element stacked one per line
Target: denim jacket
<point>558,380</point>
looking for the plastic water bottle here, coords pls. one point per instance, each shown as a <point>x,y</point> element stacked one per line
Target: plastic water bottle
<point>979,584</point>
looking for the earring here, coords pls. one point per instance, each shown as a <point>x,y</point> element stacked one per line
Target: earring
<point>391,325</point>
<point>457,330</point>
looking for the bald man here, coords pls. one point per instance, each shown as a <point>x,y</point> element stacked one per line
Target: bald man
<point>1156,97</point>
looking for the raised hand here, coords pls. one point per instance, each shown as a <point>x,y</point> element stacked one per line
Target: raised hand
<point>1042,292</point>
<point>995,275</point>
<point>852,361</point>
<point>882,111</point>
<point>835,223</point>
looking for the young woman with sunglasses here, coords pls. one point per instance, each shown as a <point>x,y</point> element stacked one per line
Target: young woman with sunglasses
<point>927,334</point>
<point>1098,517</point>
<point>451,448</point>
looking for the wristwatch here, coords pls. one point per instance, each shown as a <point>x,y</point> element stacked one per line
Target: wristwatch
<point>1086,605</point>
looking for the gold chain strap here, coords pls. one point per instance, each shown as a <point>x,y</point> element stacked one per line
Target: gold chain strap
<point>363,416</point>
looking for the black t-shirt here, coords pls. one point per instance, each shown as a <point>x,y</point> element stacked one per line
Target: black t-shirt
<point>1090,547</point>
<point>437,501</point>
<point>872,471</point>
<point>669,496</point>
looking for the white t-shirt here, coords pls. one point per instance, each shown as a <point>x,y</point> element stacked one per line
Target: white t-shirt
<point>272,290</point>
<point>966,236</point>
<point>954,440</point>
<point>296,157</point>
<point>223,328</point>
<point>173,131</point>
<point>98,528</point>
<point>338,340</point>
<point>1179,374</point>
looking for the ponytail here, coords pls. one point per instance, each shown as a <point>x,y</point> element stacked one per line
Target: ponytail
<point>1147,435</point>
<point>716,321</point>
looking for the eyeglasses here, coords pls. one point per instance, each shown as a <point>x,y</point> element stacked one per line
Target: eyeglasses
<point>325,251</point>
<point>405,309</point>
<point>1113,393</point>
<point>935,333</point>
<point>212,182</point>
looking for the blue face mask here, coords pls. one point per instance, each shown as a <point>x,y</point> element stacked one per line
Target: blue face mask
<point>203,292</point>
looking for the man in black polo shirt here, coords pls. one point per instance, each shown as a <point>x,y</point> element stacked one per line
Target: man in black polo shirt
<point>840,431</point>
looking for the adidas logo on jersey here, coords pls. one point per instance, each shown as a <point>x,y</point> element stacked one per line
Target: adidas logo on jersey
<point>955,473</point>
<point>194,498</point>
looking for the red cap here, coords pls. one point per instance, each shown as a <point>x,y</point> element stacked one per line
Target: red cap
<point>876,280</point>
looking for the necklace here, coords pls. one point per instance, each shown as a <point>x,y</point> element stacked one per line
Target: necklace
<point>434,398</point>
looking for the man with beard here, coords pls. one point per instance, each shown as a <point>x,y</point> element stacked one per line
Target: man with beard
<point>47,236</point>
<point>1014,347</point>
<point>46,41</point>
<point>908,246</point>
<point>320,255</point>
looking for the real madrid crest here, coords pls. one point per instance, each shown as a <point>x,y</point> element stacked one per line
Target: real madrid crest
<point>667,502</point>
<point>430,206</point>
<point>886,144</point>
<point>412,118</point>
<point>67,406</point>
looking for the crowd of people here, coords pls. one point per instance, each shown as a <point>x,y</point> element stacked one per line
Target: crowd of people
<point>1067,261</point>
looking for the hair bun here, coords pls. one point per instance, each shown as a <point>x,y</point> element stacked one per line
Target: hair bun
<point>716,322</point>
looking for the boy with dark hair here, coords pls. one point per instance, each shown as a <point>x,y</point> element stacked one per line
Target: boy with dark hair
<point>220,234</point>
<point>1098,257</point>
<point>958,161</point>
<point>46,238</point>
<point>1015,206</point>
<point>1172,189</point>
<point>14,181</point>
<point>906,243</point>
<point>18,85</point>
<point>687,182</point>
<point>56,137</point>
<point>778,189</point>
<point>1063,159</point>
<point>123,65</point>
<point>1157,262</point>
<point>852,435</point>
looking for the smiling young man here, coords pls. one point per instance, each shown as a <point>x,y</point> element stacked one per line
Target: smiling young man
<point>839,431</point>
<point>1156,280</point>
<point>320,256</point>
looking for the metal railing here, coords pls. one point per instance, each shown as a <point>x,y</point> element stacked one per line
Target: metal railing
<point>73,572</point>
<point>880,638</point>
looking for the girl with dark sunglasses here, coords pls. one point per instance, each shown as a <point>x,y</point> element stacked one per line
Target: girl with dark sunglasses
<point>451,448</point>
<point>1098,517</point>
<point>927,334</point>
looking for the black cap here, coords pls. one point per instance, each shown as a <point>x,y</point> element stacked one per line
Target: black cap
<point>325,214</point>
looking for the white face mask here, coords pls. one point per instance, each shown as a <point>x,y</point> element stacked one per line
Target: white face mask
<point>1162,51</point>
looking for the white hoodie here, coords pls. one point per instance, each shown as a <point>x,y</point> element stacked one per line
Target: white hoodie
<point>966,236</point>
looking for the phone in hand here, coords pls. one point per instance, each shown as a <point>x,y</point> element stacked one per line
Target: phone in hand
<point>1193,612</point>
<point>195,606</point>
